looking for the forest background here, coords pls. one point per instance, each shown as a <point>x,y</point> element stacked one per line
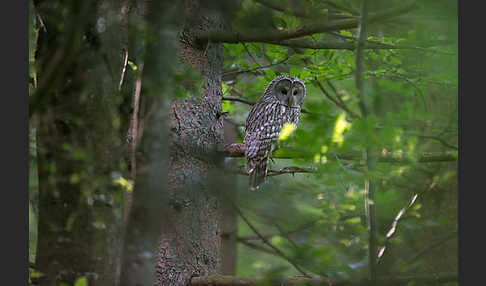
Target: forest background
<point>364,189</point>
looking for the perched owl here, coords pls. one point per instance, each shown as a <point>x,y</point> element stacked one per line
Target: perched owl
<point>280,104</point>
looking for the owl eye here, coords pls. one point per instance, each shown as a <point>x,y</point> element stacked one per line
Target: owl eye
<point>284,91</point>
<point>295,92</point>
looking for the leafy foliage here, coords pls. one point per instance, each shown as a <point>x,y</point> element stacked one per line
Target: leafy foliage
<point>413,95</point>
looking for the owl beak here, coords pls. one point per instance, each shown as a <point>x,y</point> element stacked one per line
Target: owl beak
<point>289,101</point>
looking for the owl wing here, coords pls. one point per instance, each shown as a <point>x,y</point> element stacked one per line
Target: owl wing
<point>262,128</point>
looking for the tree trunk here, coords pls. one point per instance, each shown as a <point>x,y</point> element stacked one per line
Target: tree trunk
<point>229,222</point>
<point>190,242</point>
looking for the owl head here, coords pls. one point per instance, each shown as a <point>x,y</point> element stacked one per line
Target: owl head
<point>288,90</point>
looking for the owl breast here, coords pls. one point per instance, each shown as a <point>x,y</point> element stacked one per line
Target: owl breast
<point>280,104</point>
<point>259,136</point>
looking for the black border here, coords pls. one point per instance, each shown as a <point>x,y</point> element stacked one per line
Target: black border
<point>15,125</point>
<point>471,145</point>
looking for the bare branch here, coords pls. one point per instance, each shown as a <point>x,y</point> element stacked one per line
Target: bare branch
<point>327,44</point>
<point>431,246</point>
<point>123,70</point>
<point>222,280</point>
<point>299,12</point>
<point>298,229</point>
<point>250,55</point>
<point>394,226</point>
<point>236,72</point>
<point>373,44</point>
<point>440,140</point>
<point>336,102</point>
<point>276,36</point>
<point>238,99</point>
<point>342,7</point>
<point>238,150</point>
<point>264,240</point>
<point>249,102</point>
<point>291,170</point>
<point>257,247</point>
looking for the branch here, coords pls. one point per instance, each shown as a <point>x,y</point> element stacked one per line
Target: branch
<point>223,280</point>
<point>342,7</point>
<point>278,6</point>
<point>264,240</point>
<point>291,170</point>
<point>250,55</point>
<point>256,247</point>
<point>298,229</point>
<point>394,226</point>
<point>373,44</point>
<point>437,243</point>
<point>236,72</point>
<point>299,12</point>
<point>237,150</point>
<point>249,102</point>
<point>336,102</point>
<point>440,140</point>
<point>275,36</point>
<point>350,45</point>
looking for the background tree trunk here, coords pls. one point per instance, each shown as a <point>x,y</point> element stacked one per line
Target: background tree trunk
<point>79,146</point>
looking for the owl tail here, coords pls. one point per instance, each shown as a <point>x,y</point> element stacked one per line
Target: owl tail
<point>257,173</point>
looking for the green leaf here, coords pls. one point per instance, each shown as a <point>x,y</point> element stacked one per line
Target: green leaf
<point>81,281</point>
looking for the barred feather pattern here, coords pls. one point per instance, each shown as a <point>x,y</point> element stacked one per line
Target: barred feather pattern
<point>263,126</point>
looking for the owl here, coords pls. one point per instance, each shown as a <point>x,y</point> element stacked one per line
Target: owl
<point>281,103</point>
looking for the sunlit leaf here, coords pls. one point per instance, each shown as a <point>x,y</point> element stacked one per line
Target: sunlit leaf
<point>286,131</point>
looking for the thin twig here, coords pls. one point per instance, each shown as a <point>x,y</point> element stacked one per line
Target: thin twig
<point>373,44</point>
<point>440,140</point>
<point>394,225</point>
<point>342,8</point>
<point>249,102</point>
<point>431,246</point>
<point>298,229</point>
<point>264,240</point>
<point>257,247</point>
<point>336,102</point>
<point>123,70</point>
<point>43,26</point>
<point>254,69</point>
<point>249,54</point>
<point>291,170</point>
<point>285,235</point>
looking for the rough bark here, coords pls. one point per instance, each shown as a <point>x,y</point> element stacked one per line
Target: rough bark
<point>190,240</point>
